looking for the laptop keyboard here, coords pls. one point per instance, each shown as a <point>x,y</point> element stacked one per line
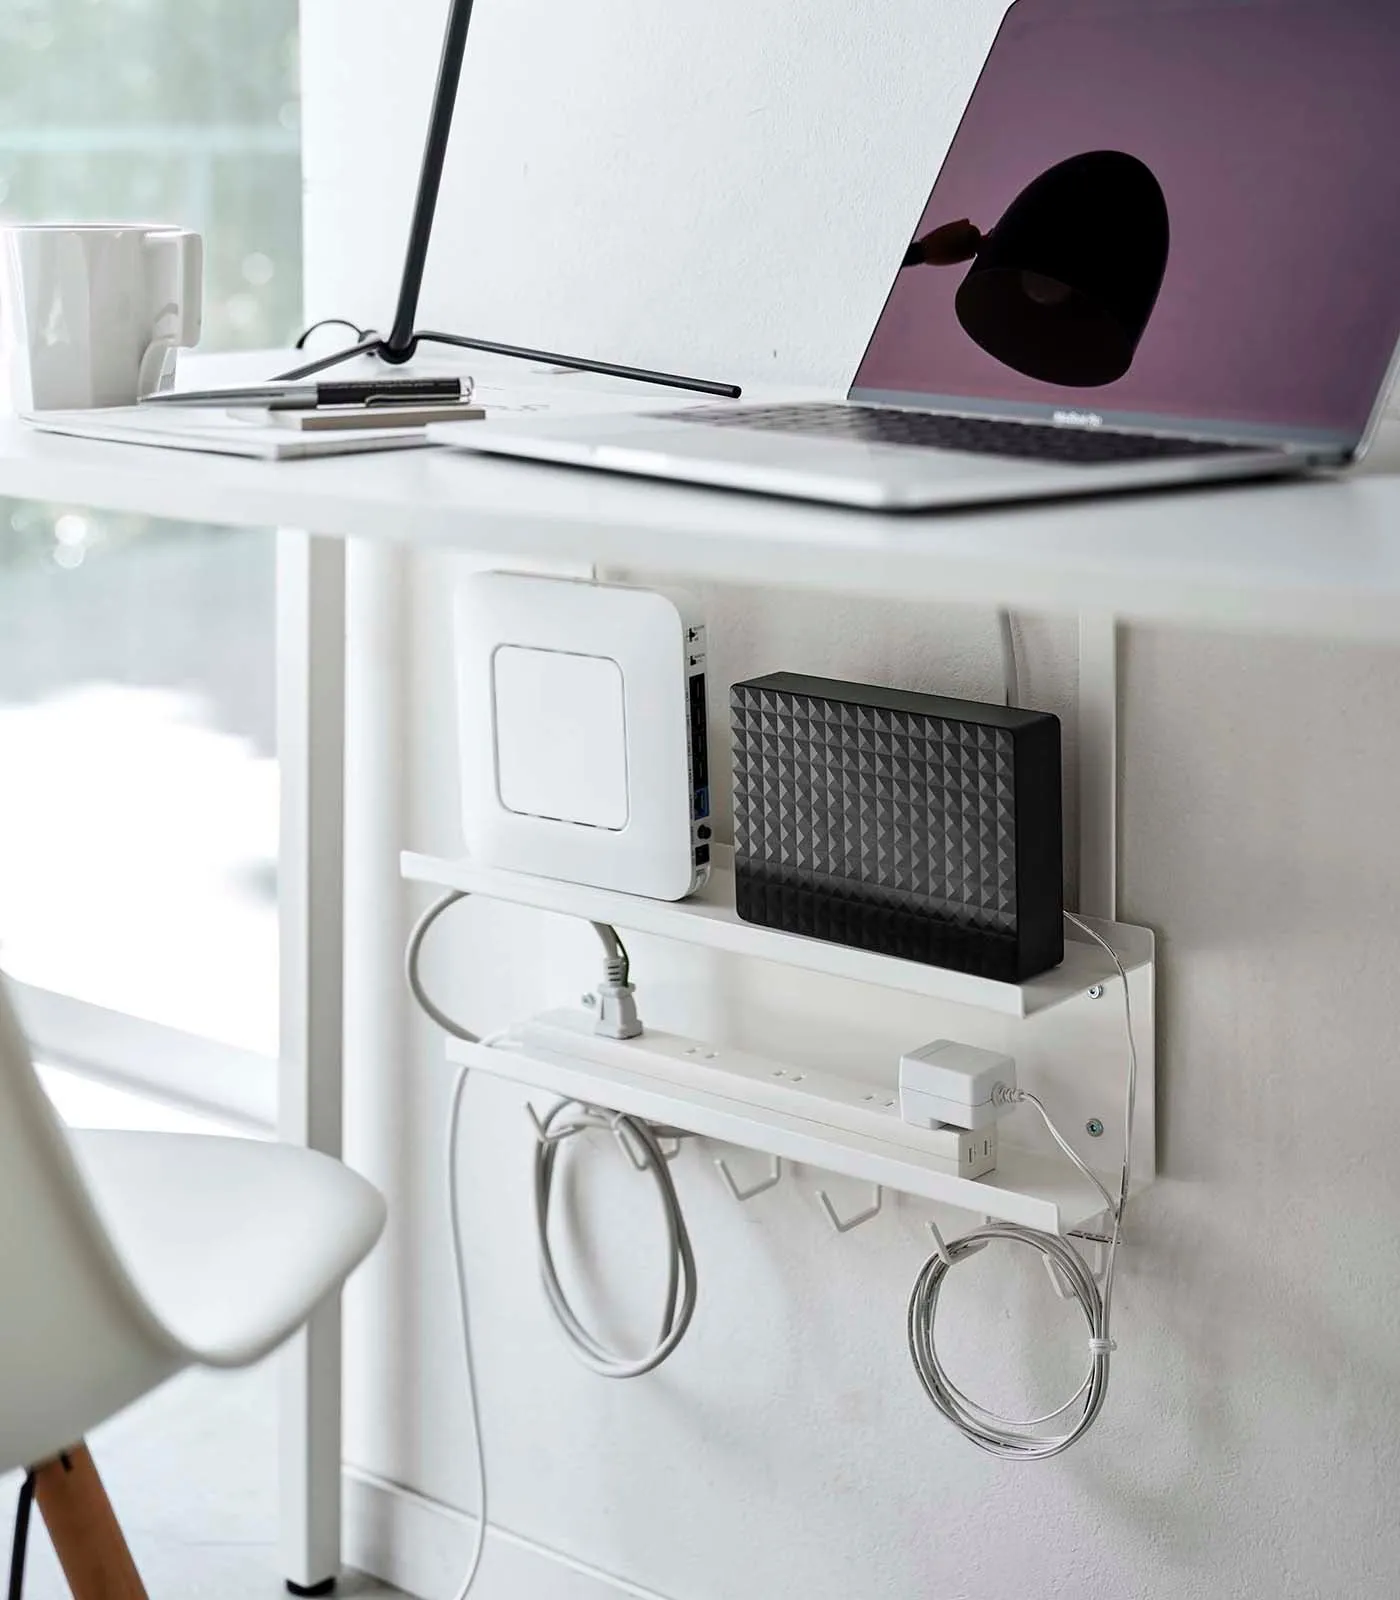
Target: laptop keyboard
<point>929,430</point>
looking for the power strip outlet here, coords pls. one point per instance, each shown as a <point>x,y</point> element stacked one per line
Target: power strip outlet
<point>821,1097</point>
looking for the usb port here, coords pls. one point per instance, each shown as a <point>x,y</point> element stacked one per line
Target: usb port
<point>699,746</point>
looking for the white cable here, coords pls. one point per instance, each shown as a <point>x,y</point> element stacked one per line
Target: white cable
<point>460,1264</point>
<point>454,1118</point>
<point>1129,1097</point>
<point>410,966</point>
<point>1021,1439</point>
<point>1015,1097</point>
<point>682,1260</point>
<point>639,1140</point>
<point>1012,1439</point>
<point>619,963</point>
<point>1010,675</point>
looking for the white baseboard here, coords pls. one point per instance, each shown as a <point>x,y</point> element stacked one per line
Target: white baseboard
<point>422,1546</point>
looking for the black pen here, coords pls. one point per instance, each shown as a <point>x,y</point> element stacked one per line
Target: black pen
<point>314,396</point>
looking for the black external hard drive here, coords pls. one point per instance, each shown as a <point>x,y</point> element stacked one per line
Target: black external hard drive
<point>904,823</point>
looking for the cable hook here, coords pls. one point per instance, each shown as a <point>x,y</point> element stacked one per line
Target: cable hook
<point>869,1214</point>
<point>940,1244</point>
<point>627,1140</point>
<point>775,1175</point>
<point>672,1137</point>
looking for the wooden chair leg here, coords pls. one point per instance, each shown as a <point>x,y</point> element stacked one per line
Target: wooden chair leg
<point>87,1538</point>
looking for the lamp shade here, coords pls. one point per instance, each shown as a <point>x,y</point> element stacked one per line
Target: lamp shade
<point>1063,287</point>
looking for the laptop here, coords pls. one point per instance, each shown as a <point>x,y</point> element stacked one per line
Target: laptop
<point>1163,248</point>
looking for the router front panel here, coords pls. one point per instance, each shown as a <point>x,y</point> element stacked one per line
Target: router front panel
<point>561,736</point>
<point>581,720</point>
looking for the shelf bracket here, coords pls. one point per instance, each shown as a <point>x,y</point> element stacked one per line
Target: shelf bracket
<point>1098,765</point>
<point>1097,1243</point>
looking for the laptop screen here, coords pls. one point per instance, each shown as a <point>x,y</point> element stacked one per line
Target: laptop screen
<point>1163,212</point>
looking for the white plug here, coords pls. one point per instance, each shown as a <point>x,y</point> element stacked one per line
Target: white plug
<point>953,1085</point>
<point>617,1011</point>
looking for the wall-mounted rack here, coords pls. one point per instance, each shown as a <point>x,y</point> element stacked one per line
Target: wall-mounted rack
<point>1065,1029</point>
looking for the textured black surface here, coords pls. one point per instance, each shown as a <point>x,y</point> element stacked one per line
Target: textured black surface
<point>909,824</point>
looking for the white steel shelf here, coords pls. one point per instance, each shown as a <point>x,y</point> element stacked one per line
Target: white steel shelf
<point>710,921</point>
<point>658,1078</point>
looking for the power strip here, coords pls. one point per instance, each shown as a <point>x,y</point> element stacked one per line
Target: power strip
<point>821,1097</point>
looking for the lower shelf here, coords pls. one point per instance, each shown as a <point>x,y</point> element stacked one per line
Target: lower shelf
<point>682,1083</point>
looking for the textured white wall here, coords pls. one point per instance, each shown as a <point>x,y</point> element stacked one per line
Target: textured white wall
<point>634,178</point>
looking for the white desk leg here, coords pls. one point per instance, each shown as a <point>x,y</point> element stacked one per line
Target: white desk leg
<point>311,752</point>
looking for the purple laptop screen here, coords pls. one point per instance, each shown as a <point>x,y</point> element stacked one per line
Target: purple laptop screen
<point>1160,209</point>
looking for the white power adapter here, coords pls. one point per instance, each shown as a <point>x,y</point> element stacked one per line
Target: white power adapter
<point>953,1085</point>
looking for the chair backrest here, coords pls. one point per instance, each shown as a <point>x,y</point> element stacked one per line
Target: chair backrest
<point>77,1341</point>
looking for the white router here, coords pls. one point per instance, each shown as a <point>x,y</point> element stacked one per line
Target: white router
<point>582,731</point>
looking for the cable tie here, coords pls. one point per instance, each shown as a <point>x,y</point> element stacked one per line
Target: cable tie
<point>1102,1347</point>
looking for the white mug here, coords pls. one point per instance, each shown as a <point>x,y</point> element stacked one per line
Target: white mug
<point>91,315</point>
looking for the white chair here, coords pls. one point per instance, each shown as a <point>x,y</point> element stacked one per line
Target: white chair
<point>126,1257</point>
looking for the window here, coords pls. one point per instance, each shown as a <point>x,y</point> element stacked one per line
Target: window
<point>138,807</point>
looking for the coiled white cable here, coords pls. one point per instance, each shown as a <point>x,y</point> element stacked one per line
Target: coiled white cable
<point>640,1141</point>
<point>1015,1439</point>
<point>1023,1439</point>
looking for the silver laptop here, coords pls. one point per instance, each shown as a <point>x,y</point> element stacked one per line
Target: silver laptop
<point>1164,247</point>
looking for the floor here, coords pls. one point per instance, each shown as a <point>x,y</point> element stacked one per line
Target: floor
<point>191,1471</point>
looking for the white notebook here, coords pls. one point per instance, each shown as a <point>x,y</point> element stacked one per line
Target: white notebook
<point>199,428</point>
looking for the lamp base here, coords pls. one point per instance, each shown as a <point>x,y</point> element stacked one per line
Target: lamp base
<point>395,353</point>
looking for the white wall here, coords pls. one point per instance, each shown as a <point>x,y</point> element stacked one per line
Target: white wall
<point>630,178</point>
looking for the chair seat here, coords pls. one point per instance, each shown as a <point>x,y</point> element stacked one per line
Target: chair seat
<point>232,1242</point>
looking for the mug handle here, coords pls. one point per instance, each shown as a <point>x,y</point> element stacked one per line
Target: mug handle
<point>177,284</point>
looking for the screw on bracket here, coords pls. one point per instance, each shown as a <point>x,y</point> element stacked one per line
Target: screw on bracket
<point>1096,992</point>
<point>1094,1128</point>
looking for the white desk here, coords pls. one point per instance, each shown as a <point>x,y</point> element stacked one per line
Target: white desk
<point>1302,557</point>
<point>1320,558</point>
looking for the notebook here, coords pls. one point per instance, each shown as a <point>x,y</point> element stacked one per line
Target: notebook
<point>218,433</point>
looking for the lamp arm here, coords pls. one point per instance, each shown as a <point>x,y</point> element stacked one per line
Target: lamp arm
<point>401,343</point>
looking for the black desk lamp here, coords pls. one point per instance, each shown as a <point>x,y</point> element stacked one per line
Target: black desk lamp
<point>404,338</point>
